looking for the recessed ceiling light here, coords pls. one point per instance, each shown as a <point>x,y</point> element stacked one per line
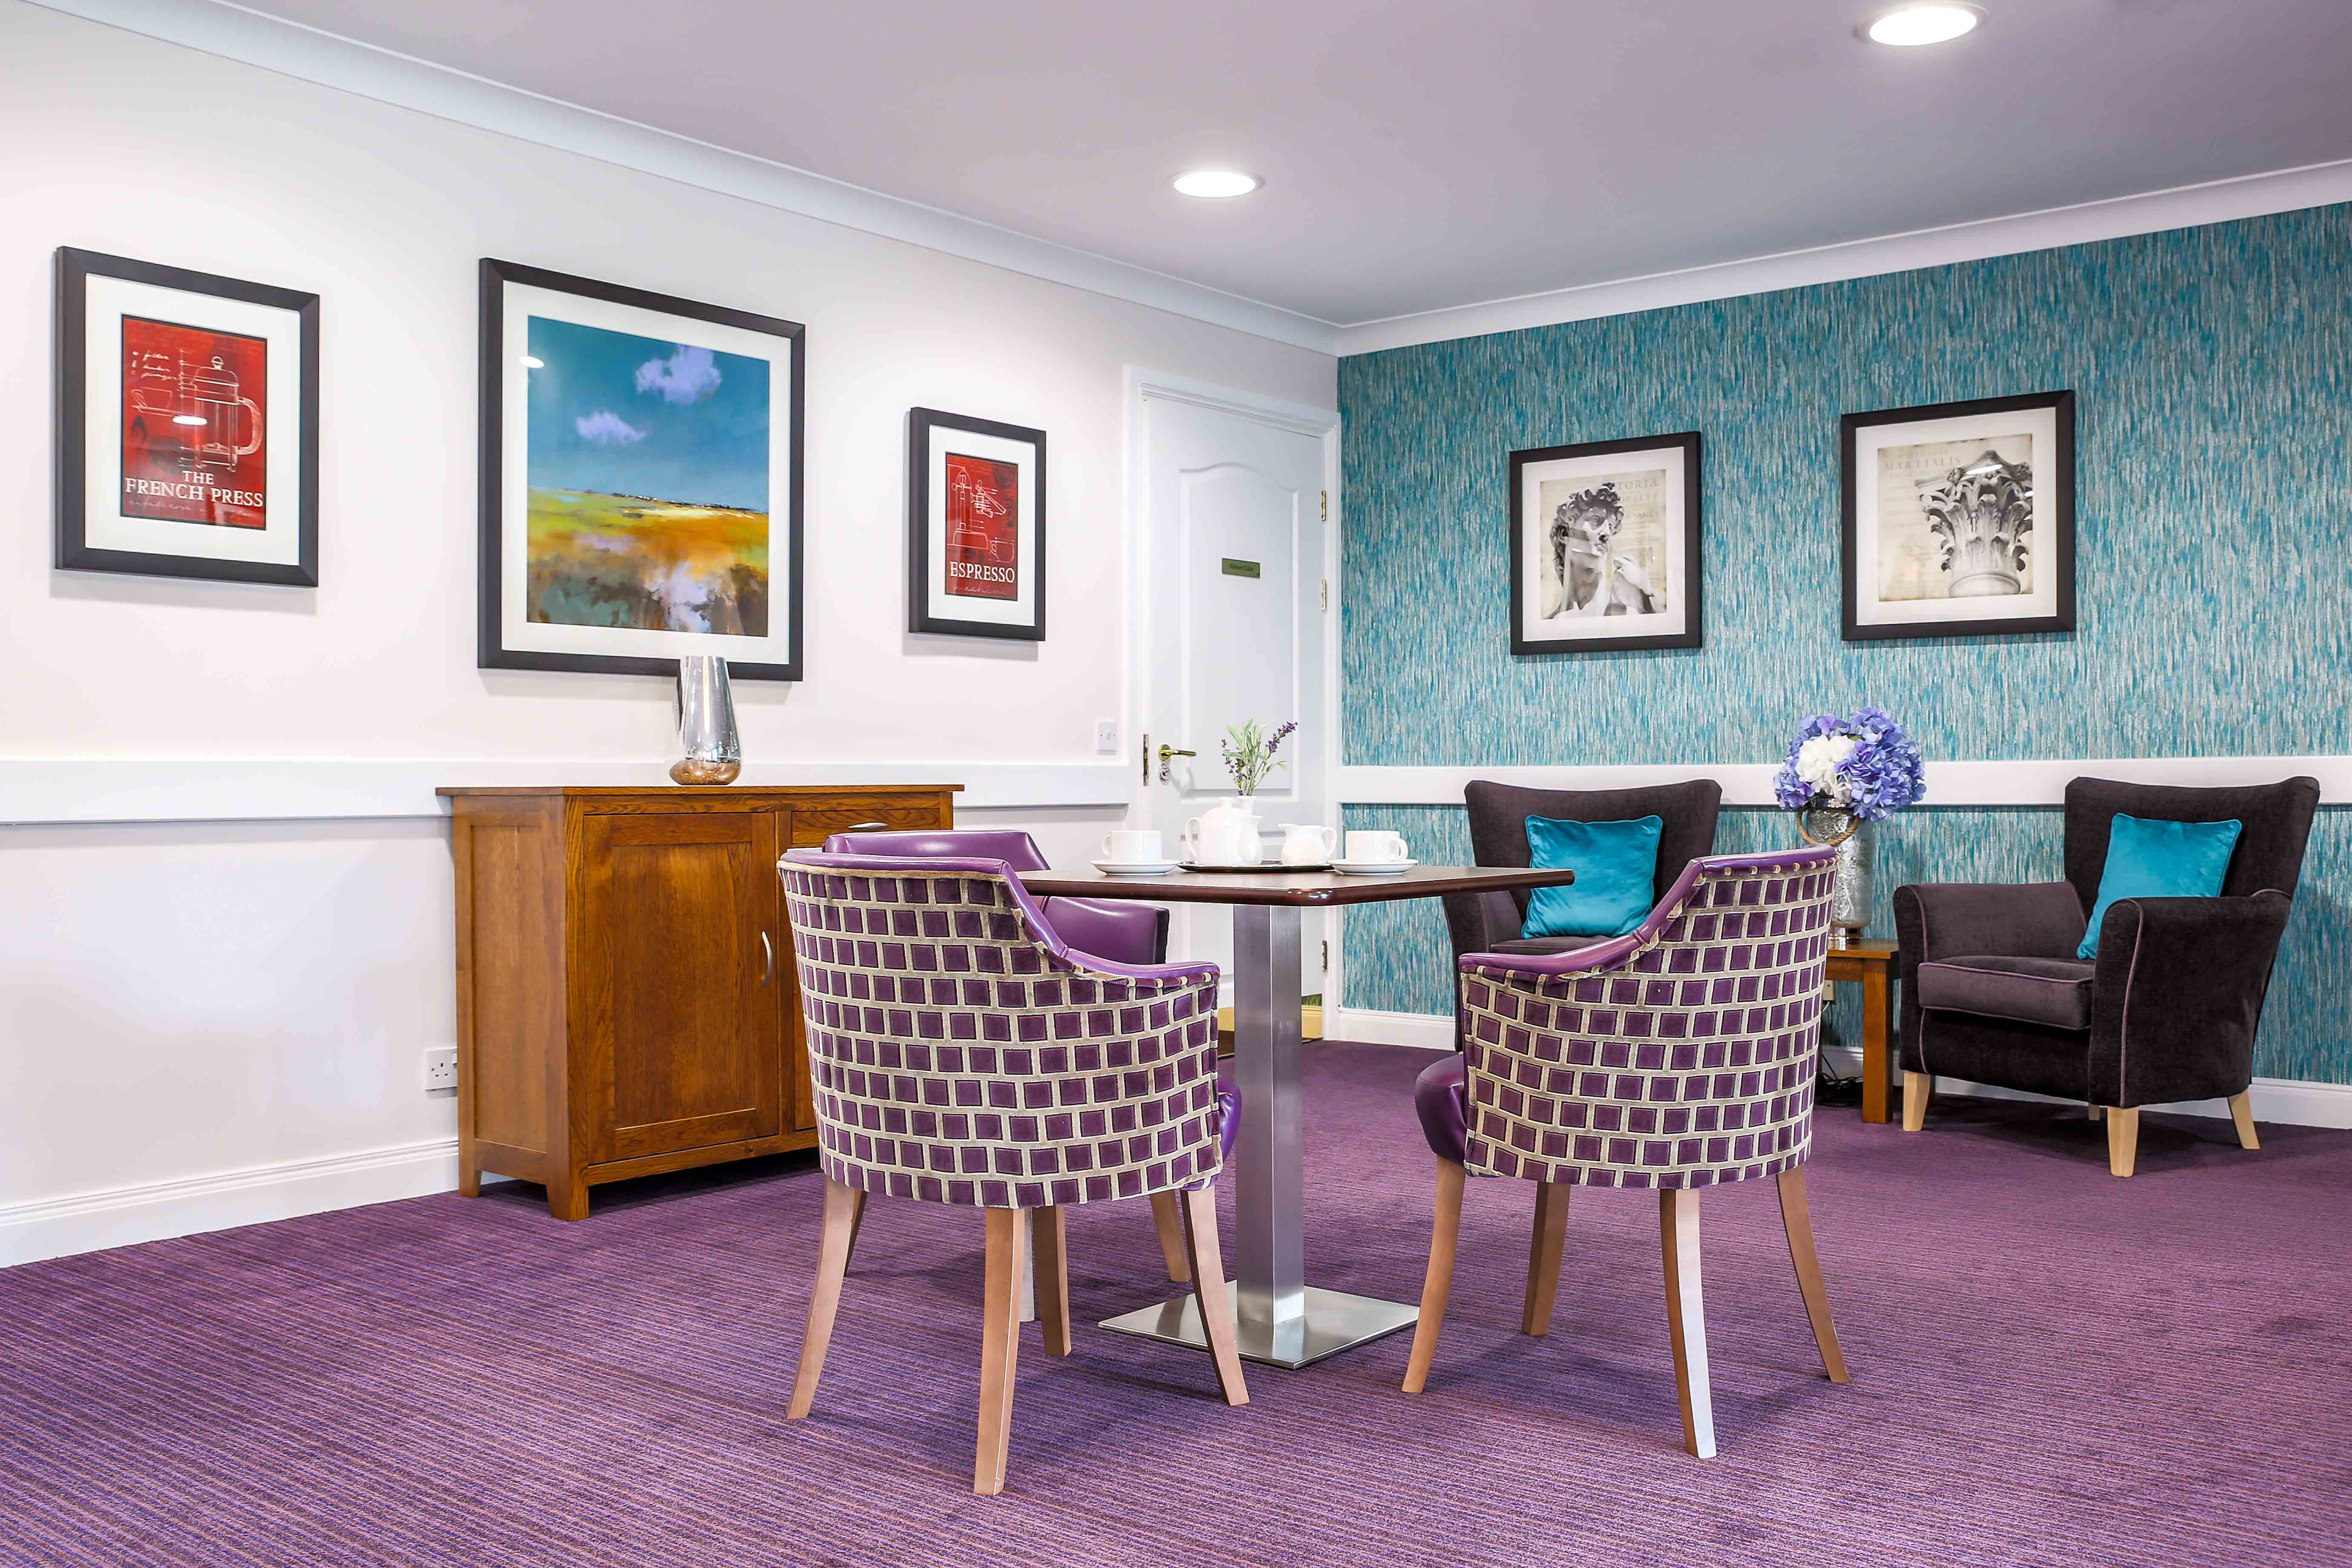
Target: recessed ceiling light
<point>1216,183</point>
<point>1934,21</point>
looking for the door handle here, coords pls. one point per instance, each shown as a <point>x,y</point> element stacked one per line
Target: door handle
<point>1165,753</point>
<point>861,826</point>
<point>768,953</point>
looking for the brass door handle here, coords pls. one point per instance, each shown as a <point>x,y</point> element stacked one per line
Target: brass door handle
<point>768,953</point>
<point>1168,751</point>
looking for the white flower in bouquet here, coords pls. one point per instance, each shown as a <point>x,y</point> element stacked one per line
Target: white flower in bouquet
<point>1818,761</point>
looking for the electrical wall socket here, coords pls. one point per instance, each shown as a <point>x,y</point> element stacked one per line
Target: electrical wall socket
<point>1106,734</point>
<point>440,1069</point>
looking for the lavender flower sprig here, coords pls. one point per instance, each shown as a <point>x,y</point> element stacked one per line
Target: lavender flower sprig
<point>1864,764</point>
<point>1249,753</point>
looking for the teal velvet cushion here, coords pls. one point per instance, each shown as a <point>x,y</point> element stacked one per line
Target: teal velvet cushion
<point>1616,867</point>
<point>2161,860</point>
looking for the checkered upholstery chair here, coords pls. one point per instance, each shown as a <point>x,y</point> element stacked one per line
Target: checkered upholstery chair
<point>961,1053</point>
<point>1122,931</point>
<point>1675,1058</point>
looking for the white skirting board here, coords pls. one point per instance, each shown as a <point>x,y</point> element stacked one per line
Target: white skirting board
<point>2292,1102</point>
<point>152,1211</point>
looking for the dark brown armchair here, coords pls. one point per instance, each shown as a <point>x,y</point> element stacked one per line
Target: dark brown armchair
<point>1491,922</point>
<point>1992,991</point>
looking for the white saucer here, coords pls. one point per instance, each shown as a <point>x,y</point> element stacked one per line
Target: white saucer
<point>1373,867</point>
<point>1135,868</point>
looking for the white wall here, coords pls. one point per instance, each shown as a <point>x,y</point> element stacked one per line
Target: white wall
<point>181,1003</point>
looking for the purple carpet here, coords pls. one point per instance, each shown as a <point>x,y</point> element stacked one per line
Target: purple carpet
<point>2051,1367</point>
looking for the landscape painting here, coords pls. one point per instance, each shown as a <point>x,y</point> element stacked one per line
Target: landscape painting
<point>648,472</point>
<point>641,486</point>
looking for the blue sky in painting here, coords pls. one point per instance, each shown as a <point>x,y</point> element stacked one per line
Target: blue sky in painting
<point>646,416</point>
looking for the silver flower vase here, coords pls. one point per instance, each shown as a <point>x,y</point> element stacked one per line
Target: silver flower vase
<point>706,723</point>
<point>1855,843</point>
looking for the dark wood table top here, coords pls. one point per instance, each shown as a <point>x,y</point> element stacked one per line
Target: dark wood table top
<point>1275,886</point>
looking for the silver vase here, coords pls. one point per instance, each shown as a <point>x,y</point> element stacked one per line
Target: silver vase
<point>706,723</point>
<point>1854,844</point>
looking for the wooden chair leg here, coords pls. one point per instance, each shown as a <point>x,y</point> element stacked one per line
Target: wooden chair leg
<point>842,1207</point>
<point>1686,1316</point>
<point>2123,1140</point>
<point>2241,1111</point>
<point>1050,1250</point>
<point>1205,1261</point>
<point>1917,1088</point>
<point>1543,1258</point>
<point>856,1223</point>
<point>1444,1233</point>
<point>1000,1346</point>
<point>1169,1224</point>
<point>1797,1220</point>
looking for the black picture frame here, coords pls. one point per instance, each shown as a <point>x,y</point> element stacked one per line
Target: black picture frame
<point>492,654</point>
<point>921,424</point>
<point>74,551</point>
<point>1688,443</point>
<point>2055,486</point>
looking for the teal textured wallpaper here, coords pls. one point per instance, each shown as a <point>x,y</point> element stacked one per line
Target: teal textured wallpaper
<point>2213,370</point>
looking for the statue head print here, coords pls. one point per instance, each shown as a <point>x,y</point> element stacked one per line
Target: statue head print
<point>1583,527</point>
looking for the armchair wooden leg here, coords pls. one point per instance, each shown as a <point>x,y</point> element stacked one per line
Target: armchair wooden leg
<point>2123,1140</point>
<point>1797,1220</point>
<point>842,1207</point>
<point>856,1223</point>
<point>1170,1225</point>
<point>2241,1111</point>
<point>1207,1267</point>
<point>1444,1232</point>
<point>1000,1346</point>
<point>1917,1088</point>
<point>1050,1250</point>
<point>1686,1316</point>
<point>1543,1258</point>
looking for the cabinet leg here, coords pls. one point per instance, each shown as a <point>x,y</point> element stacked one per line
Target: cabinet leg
<point>567,1196</point>
<point>1877,1024</point>
<point>469,1171</point>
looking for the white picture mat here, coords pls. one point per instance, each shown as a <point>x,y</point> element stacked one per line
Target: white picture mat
<point>1869,609</point>
<point>108,299</point>
<point>519,632</point>
<point>1674,619</point>
<point>1020,610</point>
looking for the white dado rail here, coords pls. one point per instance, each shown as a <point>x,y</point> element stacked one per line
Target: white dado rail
<point>56,790</point>
<point>1998,784</point>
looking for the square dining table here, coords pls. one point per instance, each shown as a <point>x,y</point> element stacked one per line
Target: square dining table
<point>1278,1318</point>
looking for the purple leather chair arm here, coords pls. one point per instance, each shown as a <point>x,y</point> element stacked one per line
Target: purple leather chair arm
<point>1031,914</point>
<point>1229,1109</point>
<point>1016,848</point>
<point>1124,933</point>
<point>2178,996</point>
<point>1441,1099</point>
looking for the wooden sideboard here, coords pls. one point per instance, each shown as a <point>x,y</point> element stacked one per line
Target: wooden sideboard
<point>626,995</point>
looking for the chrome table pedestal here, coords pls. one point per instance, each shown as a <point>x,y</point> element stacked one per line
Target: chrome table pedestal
<point>1278,1318</point>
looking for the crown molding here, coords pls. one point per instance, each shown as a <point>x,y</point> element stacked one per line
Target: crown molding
<point>2184,207</point>
<point>290,49</point>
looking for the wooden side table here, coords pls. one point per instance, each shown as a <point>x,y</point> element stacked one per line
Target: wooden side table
<point>1870,965</point>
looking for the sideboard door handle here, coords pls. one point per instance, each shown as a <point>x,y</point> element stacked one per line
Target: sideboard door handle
<point>768,953</point>
<point>861,826</point>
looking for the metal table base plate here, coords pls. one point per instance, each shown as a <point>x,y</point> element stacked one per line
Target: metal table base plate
<point>1333,1321</point>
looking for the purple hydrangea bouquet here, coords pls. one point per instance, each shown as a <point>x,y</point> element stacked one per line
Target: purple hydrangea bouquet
<point>1841,776</point>
<point>1249,753</point>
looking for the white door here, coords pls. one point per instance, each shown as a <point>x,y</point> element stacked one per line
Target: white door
<point>1232,602</point>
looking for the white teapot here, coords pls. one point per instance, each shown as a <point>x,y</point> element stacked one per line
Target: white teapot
<point>1306,844</point>
<point>1224,834</point>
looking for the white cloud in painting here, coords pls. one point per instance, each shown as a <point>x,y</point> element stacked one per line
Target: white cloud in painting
<point>606,428</point>
<point>690,375</point>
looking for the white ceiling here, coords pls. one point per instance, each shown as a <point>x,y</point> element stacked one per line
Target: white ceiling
<point>1421,154</point>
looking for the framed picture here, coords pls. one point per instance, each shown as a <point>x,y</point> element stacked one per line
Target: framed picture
<point>1958,519</point>
<point>1605,546</point>
<point>641,479</point>
<point>187,410</point>
<point>975,527</point>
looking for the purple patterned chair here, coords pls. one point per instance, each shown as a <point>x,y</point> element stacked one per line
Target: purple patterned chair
<point>1674,1058</point>
<point>1122,933</point>
<point>959,1052</point>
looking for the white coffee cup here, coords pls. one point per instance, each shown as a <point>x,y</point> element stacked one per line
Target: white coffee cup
<point>1376,846</point>
<point>1133,847</point>
<point>1304,844</point>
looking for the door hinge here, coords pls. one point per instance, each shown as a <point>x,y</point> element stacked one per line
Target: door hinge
<point>1326,506</point>
<point>1326,596</point>
<point>1326,955</point>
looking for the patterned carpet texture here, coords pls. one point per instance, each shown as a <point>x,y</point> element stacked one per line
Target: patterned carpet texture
<point>2052,1367</point>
